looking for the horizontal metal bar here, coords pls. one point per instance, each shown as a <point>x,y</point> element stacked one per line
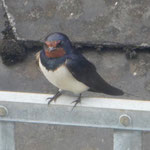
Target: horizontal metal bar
<point>92,112</point>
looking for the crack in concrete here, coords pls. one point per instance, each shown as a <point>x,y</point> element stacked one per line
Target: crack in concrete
<point>11,20</point>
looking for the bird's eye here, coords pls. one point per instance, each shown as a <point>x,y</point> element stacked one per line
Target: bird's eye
<point>60,44</point>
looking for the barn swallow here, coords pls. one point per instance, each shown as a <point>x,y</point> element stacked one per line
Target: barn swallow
<point>69,70</point>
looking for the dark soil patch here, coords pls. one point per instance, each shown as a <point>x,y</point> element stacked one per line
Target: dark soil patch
<point>11,52</point>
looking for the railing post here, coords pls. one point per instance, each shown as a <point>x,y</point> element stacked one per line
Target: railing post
<point>7,141</point>
<point>127,140</point>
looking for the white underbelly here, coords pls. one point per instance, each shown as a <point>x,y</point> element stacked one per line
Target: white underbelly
<point>63,79</point>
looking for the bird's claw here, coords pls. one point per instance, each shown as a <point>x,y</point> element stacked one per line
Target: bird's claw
<point>54,98</point>
<point>76,102</point>
<point>50,99</point>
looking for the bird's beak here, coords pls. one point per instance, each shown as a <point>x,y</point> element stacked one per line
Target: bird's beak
<point>51,48</point>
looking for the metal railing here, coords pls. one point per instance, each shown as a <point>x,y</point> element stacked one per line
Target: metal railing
<point>128,118</point>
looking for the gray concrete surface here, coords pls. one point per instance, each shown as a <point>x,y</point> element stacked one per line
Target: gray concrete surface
<point>120,21</point>
<point>62,138</point>
<point>83,20</point>
<point>132,76</point>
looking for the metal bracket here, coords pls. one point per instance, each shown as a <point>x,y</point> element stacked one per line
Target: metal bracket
<point>124,116</point>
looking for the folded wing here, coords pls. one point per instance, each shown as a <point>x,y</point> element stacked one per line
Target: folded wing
<point>85,72</point>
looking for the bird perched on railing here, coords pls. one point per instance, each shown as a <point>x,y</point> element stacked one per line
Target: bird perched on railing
<point>69,70</point>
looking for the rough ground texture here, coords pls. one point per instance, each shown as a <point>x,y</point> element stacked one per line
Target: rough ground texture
<point>122,21</point>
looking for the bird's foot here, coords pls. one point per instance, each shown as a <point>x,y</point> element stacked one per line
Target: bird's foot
<point>54,98</point>
<point>76,101</point>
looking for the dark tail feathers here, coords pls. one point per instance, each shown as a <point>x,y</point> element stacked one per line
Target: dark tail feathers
<point>113,91</point>
<point>108,89</point>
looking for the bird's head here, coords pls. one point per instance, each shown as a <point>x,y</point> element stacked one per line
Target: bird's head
<point>57,45</point>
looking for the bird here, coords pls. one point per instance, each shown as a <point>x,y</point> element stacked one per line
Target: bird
<point>68,70</point>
